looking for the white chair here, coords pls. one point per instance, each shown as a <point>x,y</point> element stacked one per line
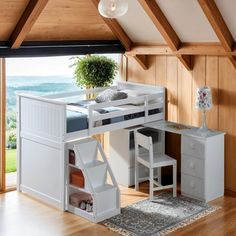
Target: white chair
<point>152,161</point>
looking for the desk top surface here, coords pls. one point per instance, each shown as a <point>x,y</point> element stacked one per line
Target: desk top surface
<point>182,129</point>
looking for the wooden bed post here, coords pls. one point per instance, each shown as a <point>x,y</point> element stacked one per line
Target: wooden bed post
<point>2,123</point>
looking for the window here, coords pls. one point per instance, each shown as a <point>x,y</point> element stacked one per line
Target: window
<point>34,75</point>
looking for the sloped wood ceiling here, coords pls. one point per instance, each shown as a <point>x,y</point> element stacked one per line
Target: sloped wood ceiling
<point>60,20</point>
<point>10,13</point>
<point>66,20</point>
<point>70,20</point>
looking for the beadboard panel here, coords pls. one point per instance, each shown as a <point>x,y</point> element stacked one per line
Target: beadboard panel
<point>212,80</point>
<point>172,91</point>
<point>136,73</point>
<point>184,95</point>
<point>216,72</point>
<point>227,118</point>
<point>198,80</point>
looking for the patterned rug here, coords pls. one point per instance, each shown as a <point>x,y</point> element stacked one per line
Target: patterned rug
<point>161,217</point>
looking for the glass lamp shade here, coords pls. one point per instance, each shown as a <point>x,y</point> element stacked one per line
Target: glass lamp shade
<point>204,98</point>
<point>113,8</point>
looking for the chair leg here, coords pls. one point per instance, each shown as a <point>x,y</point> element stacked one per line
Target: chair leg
<point>159,174</point>
<point>136,175</point>
<point>151,184</point>
<point>174,180</point>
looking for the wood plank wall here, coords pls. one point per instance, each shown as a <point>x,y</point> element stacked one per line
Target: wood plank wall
<point>213,71</point>
<point>2,123</point>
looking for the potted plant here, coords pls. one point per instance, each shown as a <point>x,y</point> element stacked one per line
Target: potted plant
<point>94,71</point>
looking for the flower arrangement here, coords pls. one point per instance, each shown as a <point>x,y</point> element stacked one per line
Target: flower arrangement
<point>204,103</point>
<point>204,98</point>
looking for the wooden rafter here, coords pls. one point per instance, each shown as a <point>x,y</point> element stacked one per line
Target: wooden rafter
<point>186,61</point>
<point>26,22</point>
<point>142,60</point>
<point>117,30</point>
<point>162,24</point>
<point>233,60</point>
<point>210,49</point>
<point>218,24</point>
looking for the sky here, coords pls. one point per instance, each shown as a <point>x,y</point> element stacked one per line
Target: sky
<point>39,66</point>
<point>43,66</point>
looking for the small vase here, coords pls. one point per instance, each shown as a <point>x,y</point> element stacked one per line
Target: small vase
<point>203,128</point>
<point>91,95</point>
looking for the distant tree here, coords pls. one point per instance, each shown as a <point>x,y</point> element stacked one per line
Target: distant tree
<point>11,139</point>
<point>11,120</point>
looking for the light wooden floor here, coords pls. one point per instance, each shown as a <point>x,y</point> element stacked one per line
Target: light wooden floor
<point>22,215</point>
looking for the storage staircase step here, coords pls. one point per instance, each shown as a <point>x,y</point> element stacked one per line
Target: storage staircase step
<point>104,188</point>
<point>91,159</point>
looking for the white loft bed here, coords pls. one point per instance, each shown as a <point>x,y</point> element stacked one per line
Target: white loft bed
<point>46,116</point>
<point>42,133</point>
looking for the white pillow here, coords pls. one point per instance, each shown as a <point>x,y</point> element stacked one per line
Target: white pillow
<point>135,93</point>
<point>110,95</point>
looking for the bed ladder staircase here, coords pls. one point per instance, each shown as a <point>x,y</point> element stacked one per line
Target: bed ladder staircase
<point>99,181</point>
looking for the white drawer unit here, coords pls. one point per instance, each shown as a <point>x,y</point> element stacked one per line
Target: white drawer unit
<point>193,146</point>
<point>202,160</point>
<point>202,166</point>
<point>193,166</point>
<point>192,187</point>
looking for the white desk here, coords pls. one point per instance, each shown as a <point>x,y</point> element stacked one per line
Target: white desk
<point>202,161</point>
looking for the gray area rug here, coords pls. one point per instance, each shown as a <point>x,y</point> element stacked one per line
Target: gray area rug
<point>161,217</point>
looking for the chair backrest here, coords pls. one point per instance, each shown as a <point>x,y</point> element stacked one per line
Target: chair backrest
<point>145,142</point>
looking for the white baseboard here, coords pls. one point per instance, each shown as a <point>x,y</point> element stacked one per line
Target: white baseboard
<point>42,197</point>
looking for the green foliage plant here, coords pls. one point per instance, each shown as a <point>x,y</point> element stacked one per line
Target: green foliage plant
<point>94,71</point>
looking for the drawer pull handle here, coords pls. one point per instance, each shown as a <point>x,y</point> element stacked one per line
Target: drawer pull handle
<point>192,145</point>
<point>191,165</point>
<point>192,185</point>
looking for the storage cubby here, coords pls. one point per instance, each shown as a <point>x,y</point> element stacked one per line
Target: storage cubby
<point>76,177</point>
<point>74,207</point>
<point>89,176</point>
<point>81,200</point>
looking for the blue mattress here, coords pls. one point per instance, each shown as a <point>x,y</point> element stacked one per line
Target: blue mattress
<point>77,121</point>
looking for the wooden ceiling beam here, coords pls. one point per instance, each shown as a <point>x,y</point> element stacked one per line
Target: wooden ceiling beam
<point>142,61</point>
<point>186,61</point>
<point>164,27</point>
<point>116,29</point>
<point>233,60</point>
<point>26,22</point>
<point>218,24</point>
<point>210,49</point>
<point>161,23</point>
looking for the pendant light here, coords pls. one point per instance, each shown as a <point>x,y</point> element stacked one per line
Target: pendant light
<point>113,8</point>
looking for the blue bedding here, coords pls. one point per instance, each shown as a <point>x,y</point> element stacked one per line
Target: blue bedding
<point>77,121</point>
